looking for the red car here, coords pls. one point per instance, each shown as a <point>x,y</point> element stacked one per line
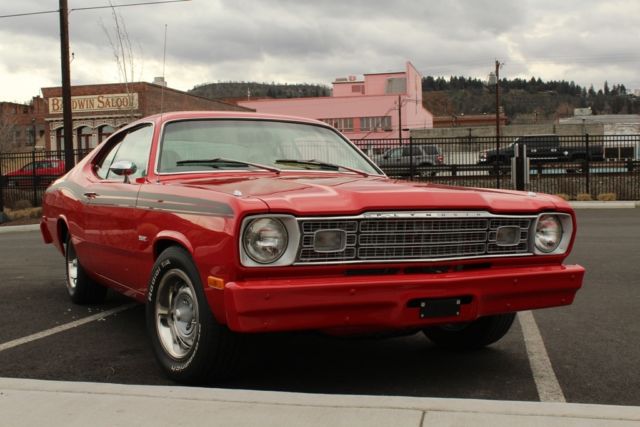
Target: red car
<point>227,223</point>
<point>44,171</point>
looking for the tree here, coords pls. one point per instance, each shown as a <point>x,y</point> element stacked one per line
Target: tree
<point>122,49</point>
<point>7,131</point>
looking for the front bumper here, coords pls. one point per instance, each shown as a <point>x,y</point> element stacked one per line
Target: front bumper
<point>381,302</point>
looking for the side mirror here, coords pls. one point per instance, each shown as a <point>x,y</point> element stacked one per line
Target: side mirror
<point>124,168</point>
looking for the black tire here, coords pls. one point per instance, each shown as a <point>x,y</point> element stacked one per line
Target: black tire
<point>81,288</point>
<point>189,344</point>
<point>471,336</point>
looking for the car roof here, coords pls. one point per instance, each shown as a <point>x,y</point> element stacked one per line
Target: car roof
<point>191,115</point>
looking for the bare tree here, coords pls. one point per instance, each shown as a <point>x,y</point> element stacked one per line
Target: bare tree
<point>123,51</point>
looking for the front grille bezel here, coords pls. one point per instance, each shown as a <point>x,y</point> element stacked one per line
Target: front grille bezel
<point>417,219</point>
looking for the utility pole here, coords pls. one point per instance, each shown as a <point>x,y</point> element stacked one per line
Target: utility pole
<point>65,68</point>
<point>400,119</point>
<point>69,159</point>
<point>498,65</point>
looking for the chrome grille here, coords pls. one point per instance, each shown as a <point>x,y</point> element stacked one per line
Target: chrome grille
<point>414,236</point>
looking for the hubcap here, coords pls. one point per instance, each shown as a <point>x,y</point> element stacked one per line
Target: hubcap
<point>176,311</point>
<point>72,268</point>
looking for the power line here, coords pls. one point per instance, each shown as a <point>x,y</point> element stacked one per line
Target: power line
<point>43,12</point>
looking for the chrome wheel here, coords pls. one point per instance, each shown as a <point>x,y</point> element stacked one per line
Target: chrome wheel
<point>72,268</point>
<point>176,312</point>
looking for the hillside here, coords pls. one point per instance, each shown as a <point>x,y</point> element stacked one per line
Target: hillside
<point>239,90</point>
<point>523,100</point>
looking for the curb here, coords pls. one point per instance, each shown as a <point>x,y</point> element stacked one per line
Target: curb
<point>620,204</point>
<point>239,406</point>
<point>19,228</point>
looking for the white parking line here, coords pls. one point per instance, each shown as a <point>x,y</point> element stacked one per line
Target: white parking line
<point>61,328</point>
<point>545,378</point>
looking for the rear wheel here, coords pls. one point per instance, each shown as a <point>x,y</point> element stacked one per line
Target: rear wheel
<point>473,335</point>
<point>81,288</point>
<point>190,345</point>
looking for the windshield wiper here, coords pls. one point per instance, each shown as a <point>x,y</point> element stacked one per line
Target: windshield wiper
<point>321,165</point>
<point>221,161</point>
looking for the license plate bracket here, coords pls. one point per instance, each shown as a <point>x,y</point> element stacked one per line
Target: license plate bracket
<point>439,307</point>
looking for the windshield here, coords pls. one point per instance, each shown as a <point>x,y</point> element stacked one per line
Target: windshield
<point>194,145</point>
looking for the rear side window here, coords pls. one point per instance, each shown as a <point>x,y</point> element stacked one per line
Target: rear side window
<point>540,141</point>
<point>430,149</point>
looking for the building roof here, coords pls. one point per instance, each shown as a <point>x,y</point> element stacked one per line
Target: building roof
<point>604,119</point>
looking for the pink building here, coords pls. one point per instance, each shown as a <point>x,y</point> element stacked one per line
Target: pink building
<point>362,109</point>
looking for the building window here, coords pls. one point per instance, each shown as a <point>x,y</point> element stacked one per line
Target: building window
<point>59,141</point>
<point>396,85</point>
<point>83,138</point>
<point>357,89</point>
<point>375,123</point>
<point>104,132</point>
<point>343,124</point>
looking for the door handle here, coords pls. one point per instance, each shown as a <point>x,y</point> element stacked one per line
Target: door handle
<point>90,195</point>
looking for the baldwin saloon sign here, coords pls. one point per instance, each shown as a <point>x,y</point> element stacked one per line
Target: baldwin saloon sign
<point>108,102</point>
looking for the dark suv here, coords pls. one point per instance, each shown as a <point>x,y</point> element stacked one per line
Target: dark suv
<point>399,162</point>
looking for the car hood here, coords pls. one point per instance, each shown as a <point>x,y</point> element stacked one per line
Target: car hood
<point>350,195</point>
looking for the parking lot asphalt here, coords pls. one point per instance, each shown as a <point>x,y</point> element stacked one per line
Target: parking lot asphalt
<point>593,345</point>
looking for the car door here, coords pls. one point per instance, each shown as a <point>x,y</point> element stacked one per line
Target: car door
<point>112,218</point>
<point>391,161</point>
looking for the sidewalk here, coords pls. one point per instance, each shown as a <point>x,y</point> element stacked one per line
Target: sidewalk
<point>35,402</point>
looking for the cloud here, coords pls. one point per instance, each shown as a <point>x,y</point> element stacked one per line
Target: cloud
<point>299,41</point>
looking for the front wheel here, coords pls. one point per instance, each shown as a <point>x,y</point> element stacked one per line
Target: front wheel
<point>187,341</point>
<point>81,288</point>
<point>473,335</point>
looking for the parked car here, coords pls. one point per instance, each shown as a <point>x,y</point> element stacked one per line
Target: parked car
<point>40,172</point>
<point>229,223</point>
<point>418,160</point>
<point>544,148</point>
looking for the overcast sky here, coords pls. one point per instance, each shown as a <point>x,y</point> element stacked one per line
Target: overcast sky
<point>297,41</point>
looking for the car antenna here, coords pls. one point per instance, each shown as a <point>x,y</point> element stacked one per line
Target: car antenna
<point>164,62</point>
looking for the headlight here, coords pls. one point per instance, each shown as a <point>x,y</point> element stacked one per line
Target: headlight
<point>548,233</point>
<point>265,240</point>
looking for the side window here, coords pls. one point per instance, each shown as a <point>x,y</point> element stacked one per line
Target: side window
<point>134,146</point>
<point>396,152</point>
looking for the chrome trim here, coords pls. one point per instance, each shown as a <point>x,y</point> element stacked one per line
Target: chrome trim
<point>414,243</point>
<point>567,232</point>
<point>294,241</point>
<point>527,238</point>
<point>409,260</point>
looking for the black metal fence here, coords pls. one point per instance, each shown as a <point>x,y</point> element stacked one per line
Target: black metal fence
<point>25,176</point>
<point>580,166</point>
<point>575,166</point>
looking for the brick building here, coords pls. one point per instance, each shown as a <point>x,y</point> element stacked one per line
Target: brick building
<point>380,105</point>
<point>22,126</point>
<point>98,110</point>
